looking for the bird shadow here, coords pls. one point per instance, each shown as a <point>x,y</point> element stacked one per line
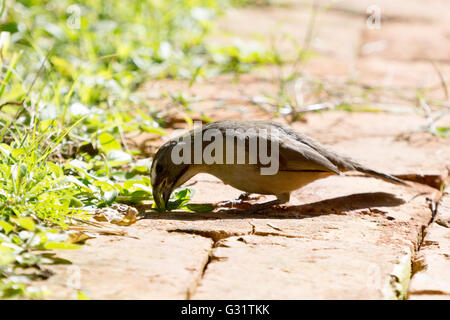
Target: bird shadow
<point>338,205</point>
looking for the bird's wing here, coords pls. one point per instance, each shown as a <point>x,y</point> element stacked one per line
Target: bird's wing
<point>295,154</point>
<point>298,156</point>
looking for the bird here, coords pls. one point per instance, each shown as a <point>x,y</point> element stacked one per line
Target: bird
<point>300,160</point>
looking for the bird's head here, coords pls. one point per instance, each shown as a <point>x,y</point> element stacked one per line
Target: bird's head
<point>165,174</point>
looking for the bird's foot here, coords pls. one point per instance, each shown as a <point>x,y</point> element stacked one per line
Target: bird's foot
<point>234,204</point>
<point>239,203</point>
<point>265,206</point>
<point>248,196</point>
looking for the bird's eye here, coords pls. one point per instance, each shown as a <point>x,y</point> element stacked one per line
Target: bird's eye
<point>159,168</point>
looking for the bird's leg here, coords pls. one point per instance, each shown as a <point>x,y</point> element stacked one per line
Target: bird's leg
<point>236,202</point>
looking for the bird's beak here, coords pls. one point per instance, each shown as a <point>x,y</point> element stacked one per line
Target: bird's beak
<point>157,196</point>
<point>161,194</point>
<point>166,196</point>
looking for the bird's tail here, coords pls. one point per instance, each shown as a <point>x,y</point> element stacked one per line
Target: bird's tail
<point>345,163</point>
<point>348,164</point>
<point>377,174</point>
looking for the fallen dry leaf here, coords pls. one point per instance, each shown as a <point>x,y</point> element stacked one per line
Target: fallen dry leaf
<point>120,214</point>
<point>77,236</point>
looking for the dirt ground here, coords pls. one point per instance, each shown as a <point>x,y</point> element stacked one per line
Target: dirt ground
<point>349,237</point>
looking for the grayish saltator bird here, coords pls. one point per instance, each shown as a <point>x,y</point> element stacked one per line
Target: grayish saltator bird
<point>300,160</point>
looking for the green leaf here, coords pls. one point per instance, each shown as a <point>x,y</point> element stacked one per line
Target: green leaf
<point>18,152</point>
<point>61,245</point>
<point>63,66</point>
<point>141,194</point>
<point>182,197</point>
<point>26,223</point>
<point>56,169</point>
<point>201,208</point>
<point>6,226</point>
<point>183,193</point>
<point>443,131</point>
<point>108,142</point>
<point>205,118</point>
<point>156,130</point>
<point>76,182</point>
<point>46,124</point>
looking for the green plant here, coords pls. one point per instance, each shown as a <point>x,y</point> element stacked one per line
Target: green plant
<point>36,203</point>
<point>69,72</point>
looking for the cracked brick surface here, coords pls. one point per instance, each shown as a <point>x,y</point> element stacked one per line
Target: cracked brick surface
<point>432,277</point>
<point>319,250</point>
<point>147,264</point>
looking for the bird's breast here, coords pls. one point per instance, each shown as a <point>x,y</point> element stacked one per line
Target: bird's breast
<point>248,178</point>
